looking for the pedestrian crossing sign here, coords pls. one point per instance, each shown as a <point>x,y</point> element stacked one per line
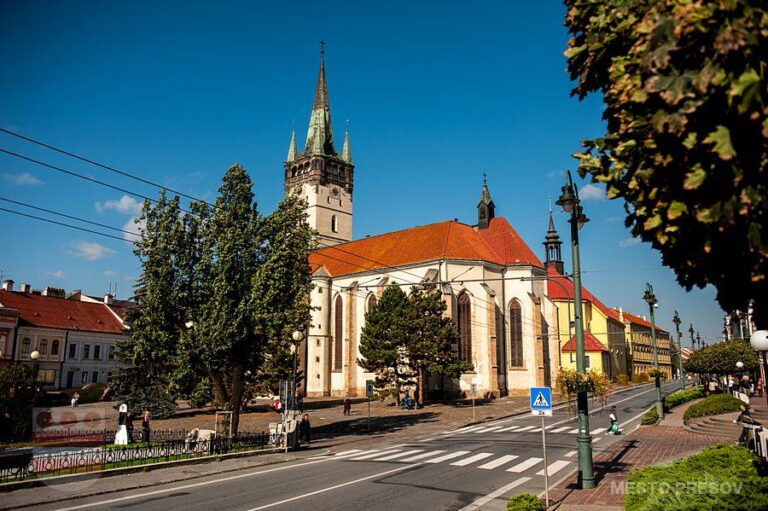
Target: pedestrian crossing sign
<point>541,401</point>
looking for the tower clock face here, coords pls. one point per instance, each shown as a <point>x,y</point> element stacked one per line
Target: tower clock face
<point>335,191</point>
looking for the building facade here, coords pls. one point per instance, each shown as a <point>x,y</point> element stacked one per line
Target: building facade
<point>638,331</point>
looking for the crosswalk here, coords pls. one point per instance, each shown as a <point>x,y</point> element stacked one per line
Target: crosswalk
<point>460,458</point>
<point>479,429</point>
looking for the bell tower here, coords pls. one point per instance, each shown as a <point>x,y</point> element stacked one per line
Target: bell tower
<point>319,174</point>
<point>552,246</point>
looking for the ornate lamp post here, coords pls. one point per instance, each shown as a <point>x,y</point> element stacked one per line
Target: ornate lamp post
<point>296,338</point>
<point>569,201</point>
<point>698,339</point>
<point>693,342</point>
<point>759,342</point>
<point>676,321</point>
<point>650,299</point>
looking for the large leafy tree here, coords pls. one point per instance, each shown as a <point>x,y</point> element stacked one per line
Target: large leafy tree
<point>684,89</point>
<point>432,339</point>
<point>18,393</point>
<point>721,358</point>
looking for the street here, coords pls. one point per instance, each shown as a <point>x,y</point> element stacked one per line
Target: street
<point>465,468</point>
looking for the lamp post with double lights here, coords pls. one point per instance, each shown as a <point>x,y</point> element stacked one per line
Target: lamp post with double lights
<point>759,342</point>
<point>650,299</point>
<point>569,201</point>
<point>296,338</point>
<point>676,321</point>
<point>698,339</point>
<point>691,331</point>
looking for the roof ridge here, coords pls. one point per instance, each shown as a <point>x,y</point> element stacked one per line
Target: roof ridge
<point>374,236</point>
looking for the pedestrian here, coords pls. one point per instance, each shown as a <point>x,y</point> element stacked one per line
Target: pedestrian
<point>347,405</point>
<point>760,386</point>
<point>121,437</point>
<point>299,402</point>
<point>75,399</point>
<point>277,405</point>
<point>305,429</point>
<point>745,420</point>
<point>614,422</point>
<point>145,427</point>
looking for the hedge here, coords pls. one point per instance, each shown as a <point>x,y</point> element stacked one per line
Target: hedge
<point>525,502</point>
<point>723,478</point>
<point>713,405</point>
<point>671,401</point>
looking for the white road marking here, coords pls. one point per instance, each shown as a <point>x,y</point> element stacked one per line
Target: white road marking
<point>570,454</point>
<point>597,439</point>
<point>373,454</point>
<point>526,428</point>
<point>487,430</point>
<point>398,455</point>
<point>560,430</point>
<point>331,488</point>
<point>573,431</point>
<point>467,429</point>
<point>482,501</point>
<point>521,467</point>
<point>347,453</point>
<point>511,428</point>
<point>535,430</point>
<point>597,431</point>
<point>422,456</point>
<point>498,462</point>
<point>472,459</point>
<point>554,467</point>
<point>447,457</point>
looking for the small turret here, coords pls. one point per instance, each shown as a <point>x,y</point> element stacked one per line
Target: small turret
<point>486,209</point>
<point>292,150</point>
<point>552,246</point>
<point>346,152</point>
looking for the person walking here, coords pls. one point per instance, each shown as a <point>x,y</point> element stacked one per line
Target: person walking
<point>305,429</point>
<point>145,427</point>
<point>121,436</point>
<point>347,405</point>
<point>75,399</point>
<point>760,386</point>
<point>614,429</point>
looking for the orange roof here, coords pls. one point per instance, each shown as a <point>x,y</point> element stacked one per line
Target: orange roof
<point>556,292</point>
<point>640,321</point>
<point>499,244</point>
<point>50,312</point>
<point>591,343</point>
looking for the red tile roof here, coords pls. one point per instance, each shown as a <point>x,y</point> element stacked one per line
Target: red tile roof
<point>556,292</point>
<point>642,322</point>
<point>49,312</point>
<point>591,343</point>
<point>499,244</point>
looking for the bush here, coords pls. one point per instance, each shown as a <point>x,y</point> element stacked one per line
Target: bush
<point>683,396</point>
<point>18,394</point>
<point>723,477</point>
<point>525,502</point>
<point>642,378</point>
<point>622,379</point>
<point>650,417</point>
<point>713,405</point>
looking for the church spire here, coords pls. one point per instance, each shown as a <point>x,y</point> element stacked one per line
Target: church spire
<point>552,245</point>
<point>320,134</point>
<point>292,151</point>
<point>485,208</point>
<point>346,152</point>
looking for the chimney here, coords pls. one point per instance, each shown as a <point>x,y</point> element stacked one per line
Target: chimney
<point>26,288</point>
<point>108,299</point>
<point>7,285</point>
<point>54,292</point>
<point>621,314</point>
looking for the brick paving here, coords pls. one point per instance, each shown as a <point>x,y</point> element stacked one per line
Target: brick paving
<point>648,445</point>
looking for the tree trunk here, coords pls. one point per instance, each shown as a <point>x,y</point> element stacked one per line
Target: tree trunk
<point>220,397</point>
<point>236,396</point>
<point>422,385</point>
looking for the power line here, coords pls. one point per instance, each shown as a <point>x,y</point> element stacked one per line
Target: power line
<point>63,224</point>
<point>107,167</point>
<point>71,217</point>
<point>81,176</point>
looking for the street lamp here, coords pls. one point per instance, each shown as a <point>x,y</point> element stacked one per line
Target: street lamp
<point>693,342</point>
<point>34,356</point>
<point>698,339</point>
<point>650,299</point>
<point>759,342</point>
<point>296,337</point>
<point>569,201</point>
<point>676,321</point>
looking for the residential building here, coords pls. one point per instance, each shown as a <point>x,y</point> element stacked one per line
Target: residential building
<point>638,332</point>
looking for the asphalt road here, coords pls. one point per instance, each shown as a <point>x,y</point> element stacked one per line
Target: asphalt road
<point>473,467</point>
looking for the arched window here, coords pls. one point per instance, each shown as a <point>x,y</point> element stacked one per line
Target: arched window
<point>26,344</point>
<point>334,224</point>
<point>43,347</point>
<point>371,301</point>
<point>338,334</point>
<point>465,327</point>
<point>55,347</point>
<point>516,334</point>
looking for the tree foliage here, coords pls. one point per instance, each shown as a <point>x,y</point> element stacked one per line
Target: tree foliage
<point>18,392</point>
<point>721,358</point>
<point>684,89</point>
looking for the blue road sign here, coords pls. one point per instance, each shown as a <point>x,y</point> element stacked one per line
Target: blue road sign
<point>541,401</point>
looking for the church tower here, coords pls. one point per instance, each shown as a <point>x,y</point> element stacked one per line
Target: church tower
<point>319,174</point>
<point>486,209</point>
<point>552,245</point>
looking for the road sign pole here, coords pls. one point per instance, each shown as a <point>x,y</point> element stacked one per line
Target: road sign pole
<point>369,415</point>
<point>546,470</point>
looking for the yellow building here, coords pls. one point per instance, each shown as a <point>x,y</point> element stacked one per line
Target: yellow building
<point>638,331</point>
<point>596,354</point>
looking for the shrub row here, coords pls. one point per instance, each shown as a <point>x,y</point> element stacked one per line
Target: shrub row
<point>723,477</point>
<point>671,401</point>
<point>713,405</point>
<point>525,502</point>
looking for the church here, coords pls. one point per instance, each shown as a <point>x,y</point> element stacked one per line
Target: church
<point>493,283</point>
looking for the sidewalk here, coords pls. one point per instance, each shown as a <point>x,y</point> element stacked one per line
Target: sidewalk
<point>648,445</point>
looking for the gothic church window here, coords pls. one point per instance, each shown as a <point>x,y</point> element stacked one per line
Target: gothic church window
<point>516,333</point>
<point>465,327</point>
<point>338,333</point>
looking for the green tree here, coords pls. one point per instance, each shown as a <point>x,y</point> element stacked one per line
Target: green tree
<point>147,360</point>
<point>684,89</point>
<point>721,358</point>
<point>384,339</point>
<point>432,339</point>
<point>18,392</point>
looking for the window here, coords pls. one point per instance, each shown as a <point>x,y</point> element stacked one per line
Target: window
<point>46,376</point>
<point>465,328</point>
<point>43,347</point>
<point>26,344</point>
<point>84,377</point>
<point>111,352</point>
<point>95,377</point>
<point>72,351</point>
<point>334,224</point>
<point>338,334</point>
<point>97,352</point>
<point>86,351</point>
<point>55,347</point>
<point>371,301</point>
<point>516,333</point>
<point>586,361</point>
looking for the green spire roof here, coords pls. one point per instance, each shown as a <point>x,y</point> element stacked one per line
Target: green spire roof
<point>485,195</point>
<point>320,134</point>
<point>346,152</point>
<point>292,147</point>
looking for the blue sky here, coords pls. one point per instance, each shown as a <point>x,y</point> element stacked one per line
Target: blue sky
<point>435,92</point>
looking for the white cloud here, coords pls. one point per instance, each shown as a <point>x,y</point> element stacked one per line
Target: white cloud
<point>23,179</point>
<point>111,274</point>
<point>629,242</point>
<point>128,278</point>
<point>58,274</point>
<point>126,205</point>
<point>90,251</point>
<point>132,226</point>
<point>592,192</point>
